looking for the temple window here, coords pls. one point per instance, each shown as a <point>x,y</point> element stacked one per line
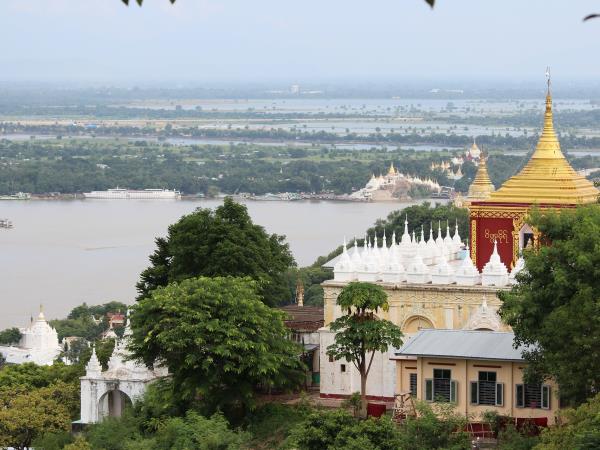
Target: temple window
<point>413,384</point>
<point>532,396</point>
<point>441,388</point>
<point>486,391</point>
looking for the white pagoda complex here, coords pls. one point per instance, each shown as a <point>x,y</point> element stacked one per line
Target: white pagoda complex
<point>39,344</point>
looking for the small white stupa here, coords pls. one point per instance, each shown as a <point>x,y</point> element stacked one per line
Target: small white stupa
<point>442,273</point>
<point>344,269</point>
<point>467,274</point>
<point>417,271</point>
<point>494,273</point>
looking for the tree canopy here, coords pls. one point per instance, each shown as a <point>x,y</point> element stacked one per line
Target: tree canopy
<point>360,333</point>
<point>218,339</point>
<point>26,414</point>
<point>223,242</point>
<point>555,307</point>
<point>10,336</point>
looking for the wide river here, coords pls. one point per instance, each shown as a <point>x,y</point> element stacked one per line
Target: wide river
<point>63,253</point>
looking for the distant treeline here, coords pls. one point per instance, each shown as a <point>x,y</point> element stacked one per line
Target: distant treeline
<point>412,136</point>
<point>71,166</point>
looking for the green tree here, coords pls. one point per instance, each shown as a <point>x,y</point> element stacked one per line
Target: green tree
<point>218,339</point>
<point>27,414</point>
<point>223,242</point>
<point>360,333</point>
<point>579,429</point>
<point>31,376</point>
<point>197,432</point>
<point>555,306</point>
<point>10,336</point>
<point>432,430</point>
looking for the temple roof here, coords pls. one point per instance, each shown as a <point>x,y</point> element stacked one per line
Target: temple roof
<point>548,178</point>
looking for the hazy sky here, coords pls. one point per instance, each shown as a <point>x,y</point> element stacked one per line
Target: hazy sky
<point>297,40</point>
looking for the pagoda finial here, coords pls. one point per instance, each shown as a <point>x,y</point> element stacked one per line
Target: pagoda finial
<point>548,80</point>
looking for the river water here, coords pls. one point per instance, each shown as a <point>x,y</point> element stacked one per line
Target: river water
<point>62,253</point>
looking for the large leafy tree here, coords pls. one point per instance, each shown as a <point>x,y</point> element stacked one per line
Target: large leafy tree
<point>218,339</point>
<point>360,333</point>
<point>27,414</point>
<point>555,307</point>
<point>222,242</point>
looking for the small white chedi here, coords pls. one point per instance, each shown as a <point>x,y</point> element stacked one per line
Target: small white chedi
<point>440,261</point>
<point>106,393</point>
<point>39,344</point>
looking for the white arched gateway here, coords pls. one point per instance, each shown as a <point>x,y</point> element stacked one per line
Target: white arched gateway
<point>108,393</point>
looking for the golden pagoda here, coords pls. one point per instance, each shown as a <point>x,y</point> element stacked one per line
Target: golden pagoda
<point>548,181</point>
<point>548,178</point>
<point>481,188</point>
<point>392,170</point>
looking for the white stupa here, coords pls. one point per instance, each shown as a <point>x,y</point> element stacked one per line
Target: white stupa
<point>39,344</point>
<point>467,274</point>
<point>494,273</point>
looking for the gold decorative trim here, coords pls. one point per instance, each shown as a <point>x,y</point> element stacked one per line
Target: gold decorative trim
<point>474,241</point>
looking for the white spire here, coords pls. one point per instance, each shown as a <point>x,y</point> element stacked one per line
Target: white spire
<point>456,238</point>
<point>406,236</point>
<point>439,240</point>
<point>356,259</point>
<point>343,270</point>
<point>447,238</point>
<point>494,272</point>
<point>93,367</point>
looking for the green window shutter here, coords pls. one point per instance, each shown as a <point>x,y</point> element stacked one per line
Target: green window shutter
<point>545,396</point>
<point>454,391</point>
<point>499,394</point>
<point>519,396</point>
<point>429,390</point>
<point>474,393</point>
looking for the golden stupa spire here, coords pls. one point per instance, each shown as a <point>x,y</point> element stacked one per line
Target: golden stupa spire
<point>547,178</point>
<point>392,170</point>
<point>482,186</point>
<point>548,145</point>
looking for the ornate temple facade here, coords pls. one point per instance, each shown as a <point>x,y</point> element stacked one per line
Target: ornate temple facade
<point>547,181</point>
<point>107,393</point>
<point>430,283</point>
